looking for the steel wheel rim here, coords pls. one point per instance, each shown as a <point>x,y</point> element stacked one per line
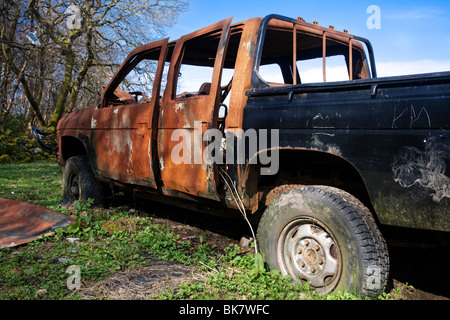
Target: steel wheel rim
<point>74,187</point>
<point>308,251</point>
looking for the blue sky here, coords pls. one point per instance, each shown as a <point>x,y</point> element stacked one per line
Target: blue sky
<point>414,35</point>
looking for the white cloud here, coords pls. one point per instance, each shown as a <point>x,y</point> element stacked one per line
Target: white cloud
<point>386,69</point>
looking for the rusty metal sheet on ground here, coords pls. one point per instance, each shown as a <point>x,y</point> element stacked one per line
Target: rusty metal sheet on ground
<point>22,222</point>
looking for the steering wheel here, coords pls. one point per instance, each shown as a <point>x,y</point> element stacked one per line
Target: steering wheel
<point>140,93</point>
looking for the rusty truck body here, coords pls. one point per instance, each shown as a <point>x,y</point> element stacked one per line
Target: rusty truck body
<point>353,152</point>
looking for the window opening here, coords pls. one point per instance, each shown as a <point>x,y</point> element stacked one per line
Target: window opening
<point>137,84</point>
<point>196,69</point>
<point>316,57</point>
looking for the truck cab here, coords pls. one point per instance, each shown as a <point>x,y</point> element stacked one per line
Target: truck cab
<point>202,77</point>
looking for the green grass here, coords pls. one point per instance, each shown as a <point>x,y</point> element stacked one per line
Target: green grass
<point>114,240</point>
<point>37,182</point>
<point>239,278</point>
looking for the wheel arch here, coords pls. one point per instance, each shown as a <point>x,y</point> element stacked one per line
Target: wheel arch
<point>71,146</point>
<point>305,167</point>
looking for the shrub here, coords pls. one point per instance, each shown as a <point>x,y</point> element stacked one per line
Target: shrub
<point>20,149</point>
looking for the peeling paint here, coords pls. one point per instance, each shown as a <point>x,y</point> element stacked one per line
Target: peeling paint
<point>161,163</point>
<point>318,116</point>
<point>324,121</point>
<point>179,106</point>
<point>317,144</point>
<point>119,142</point>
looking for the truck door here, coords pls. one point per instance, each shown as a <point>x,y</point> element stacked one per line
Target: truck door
<point>190,107</point>
<point>124,126</point>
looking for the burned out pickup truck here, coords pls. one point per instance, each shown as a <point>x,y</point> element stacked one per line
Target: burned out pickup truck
<point>285,119</point>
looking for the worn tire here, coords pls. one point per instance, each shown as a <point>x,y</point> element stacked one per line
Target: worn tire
<point>325,236</point>
<point>79,182</point>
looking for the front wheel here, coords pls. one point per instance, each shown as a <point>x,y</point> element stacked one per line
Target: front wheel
<point>325,236</point>
<point>79,182</point>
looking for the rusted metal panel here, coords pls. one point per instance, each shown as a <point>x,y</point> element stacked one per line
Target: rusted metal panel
<point>123,136</point>
<point>22,222</point>
<point>196,177</point>
<point>121,143</point>
<point>75,125</point>
<point>241,77</point>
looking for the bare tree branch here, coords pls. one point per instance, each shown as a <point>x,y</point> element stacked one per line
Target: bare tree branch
<point>69,59</point>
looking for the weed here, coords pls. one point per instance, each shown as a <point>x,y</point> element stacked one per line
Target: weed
<point>242,276</point>
<point>113,240</point>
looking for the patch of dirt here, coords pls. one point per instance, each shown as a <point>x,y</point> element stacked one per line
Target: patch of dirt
<point>404,291</point>
<point>160,275</point>
<point>140,283</point>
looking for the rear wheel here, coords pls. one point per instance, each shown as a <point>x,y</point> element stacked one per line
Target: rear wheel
<point>325,236</point>
<point>79,182</point>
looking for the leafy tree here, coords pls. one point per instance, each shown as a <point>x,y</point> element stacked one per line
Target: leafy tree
<point>58,54</point>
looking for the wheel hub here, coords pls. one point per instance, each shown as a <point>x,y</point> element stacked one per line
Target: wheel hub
<point>310,256</point>
<point>307,251</point>
<point>74,187</point>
